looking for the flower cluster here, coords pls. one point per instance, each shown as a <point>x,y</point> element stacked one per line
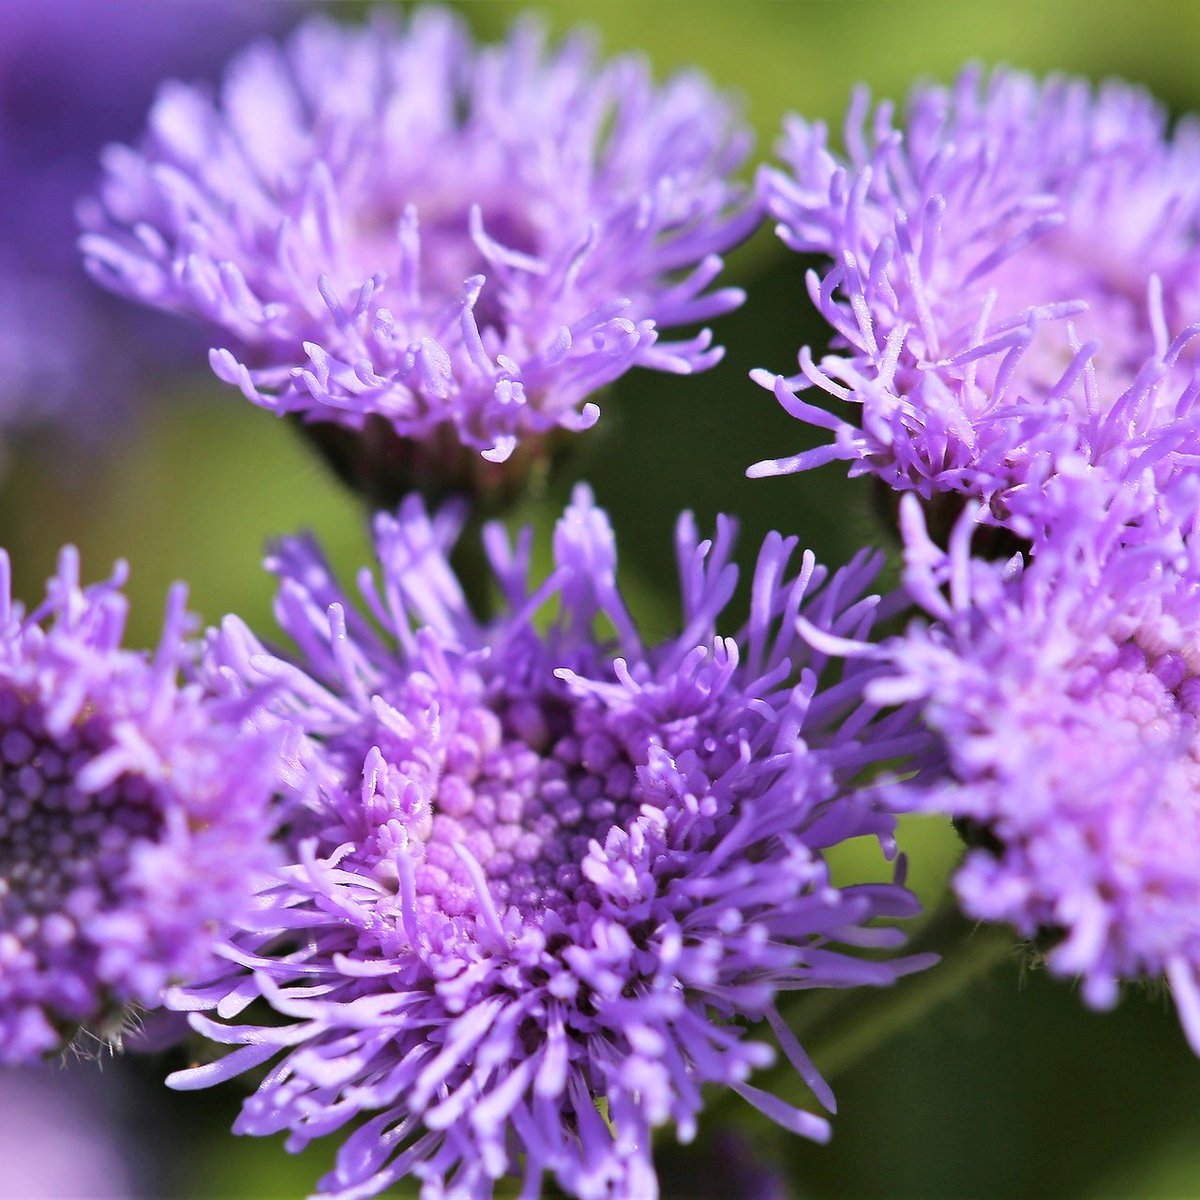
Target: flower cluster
<point>537,869</point>
<point>135,816</point>
<point>1013,291</point>
<point>1067,697</point>
<point>479,877</point>
<point>403,234</point>
<point>1014,281</point>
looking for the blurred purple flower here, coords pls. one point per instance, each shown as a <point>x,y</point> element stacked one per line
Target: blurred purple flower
<point>400,231</point>
<point>1016,274</point>
<point>58,1138</point>
<point>135,816</point>
<point>1067,697</point>
<point>74,74</point>
<point>542,879</point>
<point>727,1166</point>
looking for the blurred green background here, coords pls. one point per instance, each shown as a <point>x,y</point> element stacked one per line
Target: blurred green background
<point>1009,1089</point>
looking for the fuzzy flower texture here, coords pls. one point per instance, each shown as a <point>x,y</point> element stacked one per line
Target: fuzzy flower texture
<point>1067,695</point>
<point>543,875</point>
<point>1014,279</point>
<point>135,816</point>
<point>462,243</point>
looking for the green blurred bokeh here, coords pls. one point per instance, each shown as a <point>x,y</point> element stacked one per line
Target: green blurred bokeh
<point>1010,1089</point>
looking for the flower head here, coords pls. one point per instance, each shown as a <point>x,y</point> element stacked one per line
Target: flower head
<point>1014,279</point>
<point>402,233</point>
<point>133,820</point>
<point>541,869</point>
<point>1067,697</point>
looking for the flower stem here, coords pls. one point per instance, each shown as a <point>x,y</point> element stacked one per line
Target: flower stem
<point>854,1030</point>
<point>472,568</point>
<point>839,1028</point>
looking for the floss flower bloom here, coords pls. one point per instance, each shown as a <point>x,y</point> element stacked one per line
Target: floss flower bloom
<point>1067,697</point>
<point>135,816</point>
<point>1014,279</point>
<point>403,234</point>
<point>541,880</point>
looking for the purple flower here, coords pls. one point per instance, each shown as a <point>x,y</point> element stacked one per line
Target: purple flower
<point>1067,698</point>
<point>403,234</point>
<point>134,818</point>
<point>1015,274</point>
<point>545,873</point>
<point>73,75</point>
<point>728,1165</point>
<point>58,1138</point>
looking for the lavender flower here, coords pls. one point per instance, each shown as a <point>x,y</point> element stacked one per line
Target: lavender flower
<point>1014,279</point>
<point>1067,697</point>
<point>542,878</point>
<point>404,235</point>
<point>134,816</point>
<point>58,1138</point>
<point>73,75</point>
